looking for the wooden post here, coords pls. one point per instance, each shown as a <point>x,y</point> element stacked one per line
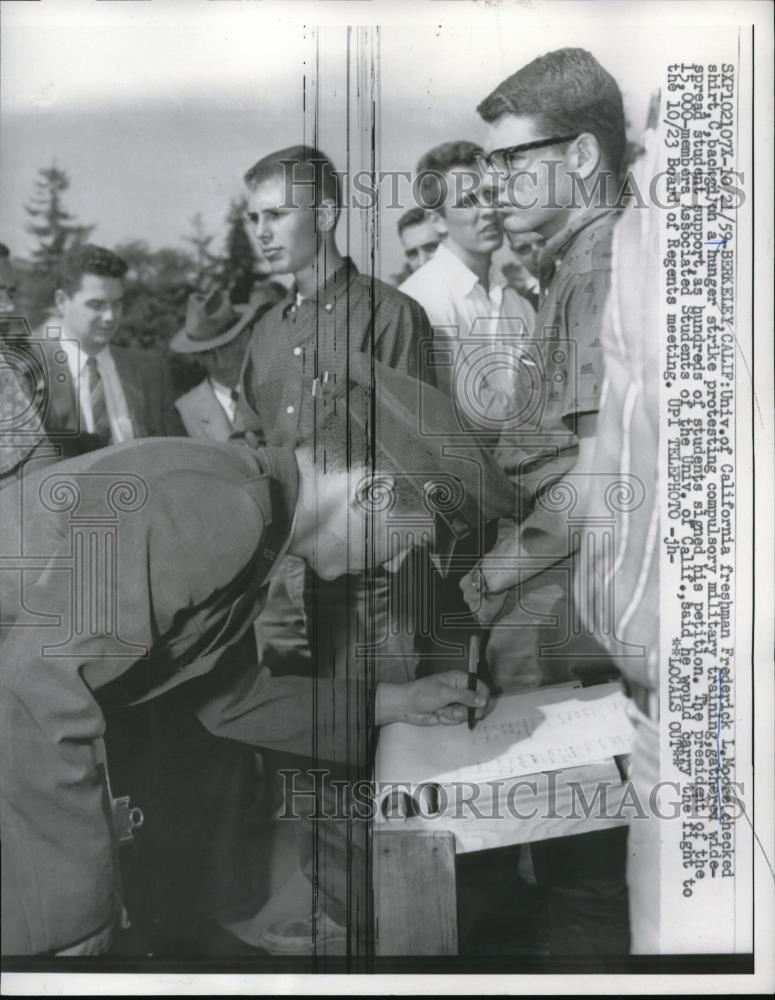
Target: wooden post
<point>415,894</point>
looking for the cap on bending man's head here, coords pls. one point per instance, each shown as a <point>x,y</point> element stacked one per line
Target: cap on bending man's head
<point>373,417</point>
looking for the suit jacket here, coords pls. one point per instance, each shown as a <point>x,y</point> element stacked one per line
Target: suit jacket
<point>147,387</point>
<point>202,414</point>
<point>185,533</point>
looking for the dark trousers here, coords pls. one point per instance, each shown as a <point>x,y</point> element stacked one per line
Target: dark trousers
<point>356,628</point>
<point>582,879</point>
<point>195,857</point>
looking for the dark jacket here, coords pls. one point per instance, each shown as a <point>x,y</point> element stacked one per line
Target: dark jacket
<point>124,573</point>
<point>147,387</point>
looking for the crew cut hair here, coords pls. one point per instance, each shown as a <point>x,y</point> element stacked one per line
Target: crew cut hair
<point>302,165</point>
<point>567,91</point>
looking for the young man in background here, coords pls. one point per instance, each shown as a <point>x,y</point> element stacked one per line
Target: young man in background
<point>471,310</point>
<point>419,237</point>
<point>110,393</point>
<point>330,316</point>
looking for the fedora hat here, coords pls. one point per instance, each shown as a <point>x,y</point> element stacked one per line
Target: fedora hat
<point>211,321</point>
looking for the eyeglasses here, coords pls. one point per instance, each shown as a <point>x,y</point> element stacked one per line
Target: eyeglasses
<point>504,159</point>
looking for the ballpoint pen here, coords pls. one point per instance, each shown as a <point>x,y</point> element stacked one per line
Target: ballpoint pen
<point>473,674</point>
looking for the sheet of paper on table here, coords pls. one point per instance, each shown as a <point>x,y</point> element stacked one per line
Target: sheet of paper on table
<point>540,730</point>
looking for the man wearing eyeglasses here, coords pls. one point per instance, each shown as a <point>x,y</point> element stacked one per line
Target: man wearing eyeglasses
<point>555,143</point>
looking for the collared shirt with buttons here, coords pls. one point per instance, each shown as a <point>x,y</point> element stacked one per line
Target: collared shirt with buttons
<point>300,339</point>
<point>561,374</point>
<point>483,327</point>
<point>294,343</point>
<point>561,378</point>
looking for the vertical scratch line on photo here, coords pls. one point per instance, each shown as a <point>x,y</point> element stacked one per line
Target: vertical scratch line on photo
<point>718,749</point>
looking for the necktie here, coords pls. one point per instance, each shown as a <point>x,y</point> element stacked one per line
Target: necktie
<point>99,408</point>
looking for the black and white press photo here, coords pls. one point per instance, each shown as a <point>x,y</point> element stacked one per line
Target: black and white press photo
<point>386,426</point>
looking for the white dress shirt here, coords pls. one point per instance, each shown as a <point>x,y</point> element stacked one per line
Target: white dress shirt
<point>224,397</point>
<point>486,327</point>
<point>121,427</point>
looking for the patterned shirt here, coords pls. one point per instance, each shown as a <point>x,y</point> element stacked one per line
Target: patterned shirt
<point>560,379</point>
<point>298,341</point>
<point>561,374</point>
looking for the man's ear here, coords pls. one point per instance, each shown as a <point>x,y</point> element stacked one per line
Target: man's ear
<point>438,222</point>
<point>585,155</point>
<point>373,493</point>
<point>327,215</point>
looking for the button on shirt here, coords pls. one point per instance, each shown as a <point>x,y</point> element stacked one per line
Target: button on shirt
<point>300,339</point>
<point>484,329</point>
<point>561,378</point>
<point>561,374</point>
<point>121,427</point>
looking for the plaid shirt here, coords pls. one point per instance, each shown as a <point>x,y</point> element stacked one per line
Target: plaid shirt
<point>293,344</point>
<point>560,379</point>
<point>561,374</point>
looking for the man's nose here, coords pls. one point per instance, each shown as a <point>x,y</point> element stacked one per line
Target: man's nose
<point>501,189</point>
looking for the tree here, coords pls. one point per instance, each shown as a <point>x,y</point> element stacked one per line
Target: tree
<point>55,227</point>
<point>240,268</point>
<point>206,264</point>
<point>57,232</point>
<point>157,286</point>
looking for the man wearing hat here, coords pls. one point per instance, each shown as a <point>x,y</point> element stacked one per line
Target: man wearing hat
<point>217,334</point>
<point>128,571</point>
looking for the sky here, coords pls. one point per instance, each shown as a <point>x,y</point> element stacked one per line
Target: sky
<point>157,109</point>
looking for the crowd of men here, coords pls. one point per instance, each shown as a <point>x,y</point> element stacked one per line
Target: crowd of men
<point>361,461</point>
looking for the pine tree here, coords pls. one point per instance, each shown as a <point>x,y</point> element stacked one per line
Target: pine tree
<point>240,267</point>
<point>207,265</point>
<point>52,225</point>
